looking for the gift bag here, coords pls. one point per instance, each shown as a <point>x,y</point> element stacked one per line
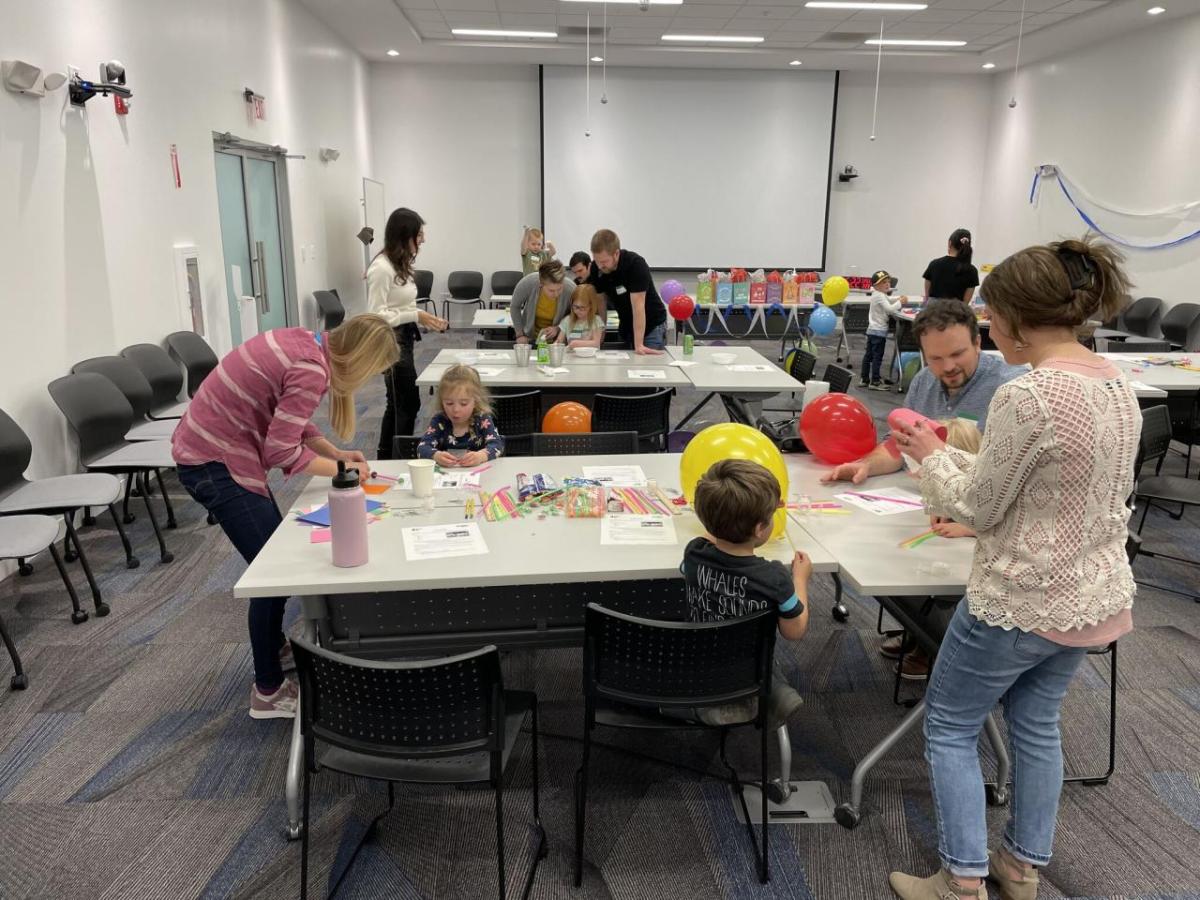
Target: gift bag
<point>741,293</point>
<point>774,292</point>
<point>791,292</point>
<point>808,293</point>
<point>724,293</point>
<point>758,292</point>
<point>704,293</point>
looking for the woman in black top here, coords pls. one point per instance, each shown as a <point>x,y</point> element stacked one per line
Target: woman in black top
<point>953,275</point>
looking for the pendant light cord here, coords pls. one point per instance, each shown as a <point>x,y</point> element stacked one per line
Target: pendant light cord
<point>878,68</point>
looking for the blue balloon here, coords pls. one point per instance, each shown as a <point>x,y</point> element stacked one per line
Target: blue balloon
<point>823,321</point>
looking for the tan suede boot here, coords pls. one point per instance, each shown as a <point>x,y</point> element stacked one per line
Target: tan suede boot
<point>936,887</point>
<point>1010,888</point>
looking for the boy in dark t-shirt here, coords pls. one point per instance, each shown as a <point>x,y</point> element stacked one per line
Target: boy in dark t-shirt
<point>736,502</point>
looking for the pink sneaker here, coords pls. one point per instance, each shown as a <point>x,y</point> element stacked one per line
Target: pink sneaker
<point>279,705</point>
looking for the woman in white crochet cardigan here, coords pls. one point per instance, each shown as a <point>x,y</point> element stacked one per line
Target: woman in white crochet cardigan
<point>1047,495</point>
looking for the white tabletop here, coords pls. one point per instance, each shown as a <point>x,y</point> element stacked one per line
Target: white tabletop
<point>592,375</point>
<point>707,375</point>
<point>502,318</point>
<point>1171,379</point>
<point>867,547</point>
<point>1141,389</point>
<point>607,356</point>
<point>528,550</point>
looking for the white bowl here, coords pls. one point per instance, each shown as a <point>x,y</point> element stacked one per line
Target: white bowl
<point>468,359</point>
<point>724,359</point>
<point>584,352</point>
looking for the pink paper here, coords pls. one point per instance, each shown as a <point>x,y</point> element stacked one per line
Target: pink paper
<point>320,536</point>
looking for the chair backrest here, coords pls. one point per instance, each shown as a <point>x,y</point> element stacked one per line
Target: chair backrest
<point>614,442</point>
<point>193,353</point>
<point>1138,347</point>
<point>423,278</point>
<point>422,708</point>
<point>95,409</point>
<point>1142,316</point>
<point>839,379</point>
<point>1155,438</point>
<point>160,370</point>
<point>906,336</point>
<point>486,344</point>
<point>801,364</point>
<point>517,414</point>
<point>505,281</point>
<point>404,446</point>
<point>126,376</point>
<point>652,663</point>
<point>856,318</point>
<point>465,285</point>
<point>649,415</point>
<point>1180,323</point>
<point>15,453</point>
<point>332,311</point>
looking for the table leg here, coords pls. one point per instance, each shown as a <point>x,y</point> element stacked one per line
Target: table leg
<point>699,406</point>
<point>999,794</point>
<point>848,814</point>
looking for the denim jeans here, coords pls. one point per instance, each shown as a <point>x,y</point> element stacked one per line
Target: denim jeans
<point>248,520</point>
<point>656,337</point>
<point>977,666</point>
<point>873,357</point>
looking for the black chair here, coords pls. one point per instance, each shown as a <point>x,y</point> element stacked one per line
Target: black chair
<point>485,344</point>
<point>905,342</point>
<point>1138,347</point>
<point>504,283</point>
<point>424,282</point>
<point>194,354</point>
<point>1158,488</point>
<point>1185,424</point>
<point>586,443</point>
<point>839,379</point>
<point>517,414</point>
<point>329,305</point>
<point>100,416</point>
<point>1142,317</point>
<point>1180,326</point>
<point>62,495</point>
<point>433,721</point>
<point>635,667</point>
<point>855,320</point>
<point>800,365</point>
<point>166,381</point>
<point>133,384</point>
<point>463,288</point>
<point>404,446</point>
<point>649,415</point>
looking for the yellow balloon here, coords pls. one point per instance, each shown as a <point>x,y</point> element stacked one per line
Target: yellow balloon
<point>732,441</point>
<point>835,290</point>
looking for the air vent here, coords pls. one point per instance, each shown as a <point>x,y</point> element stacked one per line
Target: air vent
<point>580,32</point>
<point>845,37</point>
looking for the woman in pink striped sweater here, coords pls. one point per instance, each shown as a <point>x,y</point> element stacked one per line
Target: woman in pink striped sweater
<point>253,414</point>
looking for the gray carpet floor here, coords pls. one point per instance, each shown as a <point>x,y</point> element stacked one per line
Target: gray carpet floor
<point>129,768</point>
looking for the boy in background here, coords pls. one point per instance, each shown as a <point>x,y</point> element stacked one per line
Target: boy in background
<point>882,306</point>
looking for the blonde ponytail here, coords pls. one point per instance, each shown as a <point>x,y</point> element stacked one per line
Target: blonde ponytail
<point>359,349</point>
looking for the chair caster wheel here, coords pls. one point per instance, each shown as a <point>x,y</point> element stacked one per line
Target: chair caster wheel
<point>78,617</point>
<point>70,556</point>
<point>19,682</point>
<point>292,832</point>
<point>211,519</point>
<point>128,518</point>
<point>26,570</point>
<point>778,792</point>
<point>166,558</point>
<point>102,610</point>
<point>996,796</point>
<point>840,613</point>
<point>132,563</point>
<point>89,520</point>
<point>847,816</point>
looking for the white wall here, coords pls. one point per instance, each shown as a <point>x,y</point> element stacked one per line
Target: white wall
<point>89,213</point>
<point>460,145</point>
<point>1122,120</point>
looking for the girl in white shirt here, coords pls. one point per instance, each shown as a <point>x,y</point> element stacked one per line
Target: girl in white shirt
<point>392,294</point>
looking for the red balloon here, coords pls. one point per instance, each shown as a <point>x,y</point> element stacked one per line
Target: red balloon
<point>837,429</point>
<point>567,417</point>
<point>681,307</point>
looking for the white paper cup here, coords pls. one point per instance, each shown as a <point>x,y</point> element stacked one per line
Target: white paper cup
<point>813,390</point>
<point>421,473</point>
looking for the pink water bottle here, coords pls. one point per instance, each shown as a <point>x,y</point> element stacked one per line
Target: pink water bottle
<point>348,518</point>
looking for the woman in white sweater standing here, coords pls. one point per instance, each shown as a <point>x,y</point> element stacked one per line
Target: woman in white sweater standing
<point>392,294</point>
<point>1047,496</point>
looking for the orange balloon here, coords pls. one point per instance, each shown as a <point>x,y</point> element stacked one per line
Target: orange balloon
<point>567,417</point>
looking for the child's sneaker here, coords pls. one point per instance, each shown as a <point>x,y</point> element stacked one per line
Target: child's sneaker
<point>863,383</point>
<point>878,386</point>
<point>279,705</point>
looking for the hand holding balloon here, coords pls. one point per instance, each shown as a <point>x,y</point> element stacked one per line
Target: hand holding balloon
<point>918,440</point>
<point>901,418</point>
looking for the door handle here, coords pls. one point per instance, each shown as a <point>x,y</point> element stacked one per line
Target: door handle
<point>260,252</point>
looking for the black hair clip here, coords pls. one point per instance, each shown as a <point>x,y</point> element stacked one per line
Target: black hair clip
<point>1081,271</point>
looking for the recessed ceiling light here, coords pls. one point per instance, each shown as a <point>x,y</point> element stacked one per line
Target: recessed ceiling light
<point>989,65</point>
<point>865,4</point>
<point>715,38</point>
<point>795,62</point>
<point>502,32</point>
<point>597,59</point>
<point>1156,10</point>
<point>900,42</point>
<point>393,53</point>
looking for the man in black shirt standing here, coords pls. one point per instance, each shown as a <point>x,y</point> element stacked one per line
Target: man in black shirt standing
<point>624,278</point>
